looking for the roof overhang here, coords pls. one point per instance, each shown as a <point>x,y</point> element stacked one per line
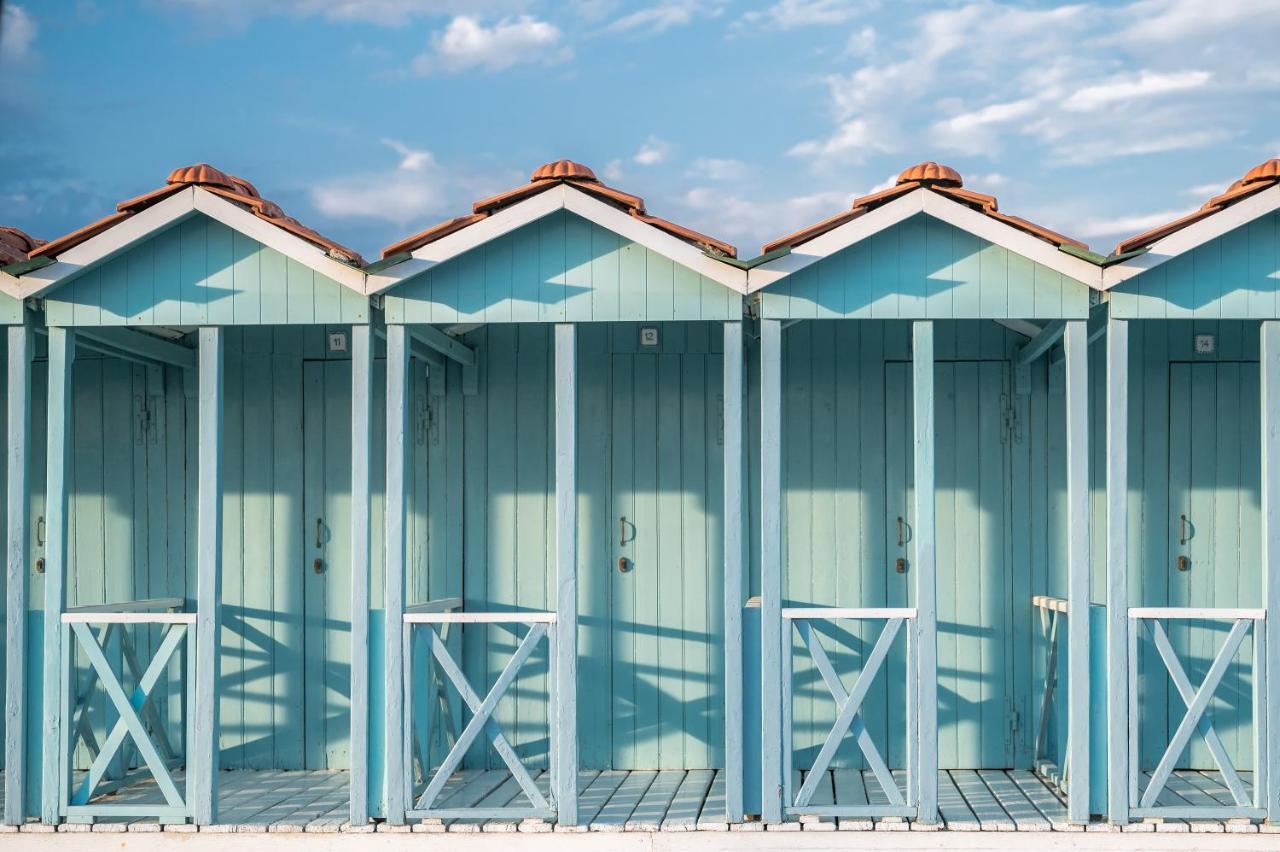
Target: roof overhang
<point>563,197</point>
<point>939,207</point>
<point>1194,235</point>
<point>182,205</point>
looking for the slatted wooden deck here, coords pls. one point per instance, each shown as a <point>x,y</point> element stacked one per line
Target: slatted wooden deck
<point>667,801</point>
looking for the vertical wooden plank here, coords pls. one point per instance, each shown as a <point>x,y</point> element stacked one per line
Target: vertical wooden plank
<point>1270,358</point>
<point>361,459</point>
<point>19,427</point>
<point>394,569</point>
<point>1117,453</point>
<point>203,763</point>
<point>771,569</point>
<point>1076,348</point>
<point>61,356</point>
<point>565,664</point>
<point>734,599</point>
<point>926,567</point>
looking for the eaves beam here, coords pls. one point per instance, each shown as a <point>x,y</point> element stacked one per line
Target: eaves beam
<point>1041,343</point>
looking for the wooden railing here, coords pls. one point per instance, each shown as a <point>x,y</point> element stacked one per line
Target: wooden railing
<point>849,720</point>
<point>1053,611</point>
<point>138,718</point>
<point>1143,800</point>
<point>436,617</point>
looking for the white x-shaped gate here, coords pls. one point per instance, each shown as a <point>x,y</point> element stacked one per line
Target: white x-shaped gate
<point>849,717</point>
<point>1143,802</point>
<point>540,624</point>
<point>138,718</point>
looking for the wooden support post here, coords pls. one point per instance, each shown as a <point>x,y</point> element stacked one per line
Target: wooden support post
<point>1076,349</point>
<point>19,429</point>
<point>1270,357</point>
<point>733,573</point>
<point>203,762</point>
<point>926,568</point>
<point>361,459</point>
<point>566,644</point>
<point>62,353</point>
<point>771,638</point>
<point>395,724</point>
<point>1117,451</point>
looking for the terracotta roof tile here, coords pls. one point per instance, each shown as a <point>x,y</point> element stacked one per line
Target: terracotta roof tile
<point>15,245</point>
<point>578,176</point>
<point>938,178</point>
<point>1260,177</point>
<point>205,176</point>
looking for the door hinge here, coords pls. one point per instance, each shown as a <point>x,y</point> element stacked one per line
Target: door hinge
<point>1011,426</point>
<point>422,422</point>
<point>141,419</point>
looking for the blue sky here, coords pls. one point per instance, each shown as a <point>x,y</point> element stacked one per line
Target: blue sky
<point>372,119</point>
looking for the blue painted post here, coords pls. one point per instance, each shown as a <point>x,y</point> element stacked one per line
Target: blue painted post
<point>19,428</point>
<point>62,353</point>
<point>566,630</point>
<point>361,459</point>
<point>1076,348</point>
<point>1270,357</point>
<point>926,567</point>
<point>1117,450</point>
<point>771,733</point>
<point>394,726</point>
<point>203,763</point>
<point>733,575</point>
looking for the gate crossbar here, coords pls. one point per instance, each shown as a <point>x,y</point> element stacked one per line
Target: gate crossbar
<point>1194,720</point>
<point>541,624</point>
<point>1052,612</point>
<point>849,718</point>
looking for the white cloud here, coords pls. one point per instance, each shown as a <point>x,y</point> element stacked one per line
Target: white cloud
<point>789,14</point>
<point>661,17</point>
<point>18,32</point>
<point>853,141</point>
<point>1145,84</point>
<point>613,170</point>
<point>862,43</point>
<point>716,168</point>
<point>388,13</point>
<point>414,193</point>
<point>1125,226</point>
<point>745,221</point>
<point>467,43</point>
<point>653,152</point>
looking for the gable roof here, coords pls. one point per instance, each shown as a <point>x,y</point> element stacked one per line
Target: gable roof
<point>938,191</point>
<point>205,176</point>
<point>1260,177</point>
<point>548,176</point>
<point>936,177</point>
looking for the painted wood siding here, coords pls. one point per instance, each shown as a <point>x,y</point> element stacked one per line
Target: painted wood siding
<point>846,478</point>
<point>650,666</point>
<point>924,268</point>
<point>200,272</point>
<point>10,310</point>
<point>1234,276</point>
<point>562,267</point>
<point>1194,448</point>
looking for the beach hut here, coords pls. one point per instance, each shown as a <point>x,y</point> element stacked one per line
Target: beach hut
<point>587,609</point>
<point>923,500</point>
<point>1193,535</point>
<point>194,578</point>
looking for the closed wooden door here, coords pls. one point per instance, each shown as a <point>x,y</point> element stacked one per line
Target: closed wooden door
<point>1214,546</point>
<point>976,692</point>
<point>665,698</point>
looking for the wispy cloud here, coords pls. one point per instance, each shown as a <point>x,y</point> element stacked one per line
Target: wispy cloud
<point>790,14</point>
<point>653,152</point>
<point>387,13</point>
<point>660,17</point>
<point>18,32</point>
<point>718,168</point>
<point>466,43</point>
<point>1124,226</point>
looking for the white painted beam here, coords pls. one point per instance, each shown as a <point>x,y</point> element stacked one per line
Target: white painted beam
<point>361,496</point>
<point>1270,405</point>
<point>771,669</point>
<point>926,568</point>
<point>734,574</point>
<point>17,496</point>
<point>394,676</point>
<point>565,733</point>
<point>1076,346</point>
<point>1117,450</point>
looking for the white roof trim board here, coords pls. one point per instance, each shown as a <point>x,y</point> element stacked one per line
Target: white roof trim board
<point>924,201</point>
<point>531,209</point>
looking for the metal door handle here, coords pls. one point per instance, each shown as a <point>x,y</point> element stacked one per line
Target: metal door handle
<point>319,532</point>
<point>1182,530</point>
<point>622,531</point>
<point>901,537</point>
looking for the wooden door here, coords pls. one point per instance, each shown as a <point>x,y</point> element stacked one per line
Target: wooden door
<point>976,692</point>
<point>1214,544</point>
<point>665,587</point>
